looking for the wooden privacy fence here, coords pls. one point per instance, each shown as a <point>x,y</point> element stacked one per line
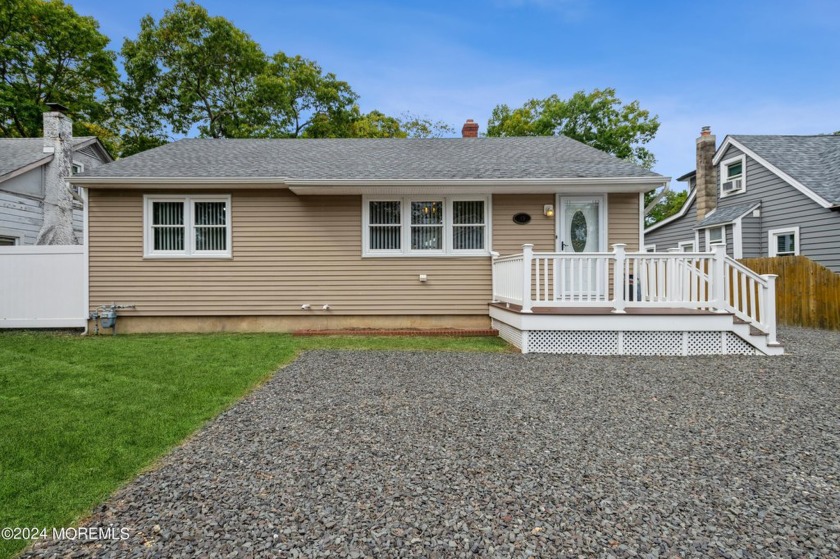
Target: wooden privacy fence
<point>807,294</point>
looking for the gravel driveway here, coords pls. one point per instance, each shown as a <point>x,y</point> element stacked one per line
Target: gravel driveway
<point>370,454</point>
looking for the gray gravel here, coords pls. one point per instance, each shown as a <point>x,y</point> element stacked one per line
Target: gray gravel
<point>370,454</point>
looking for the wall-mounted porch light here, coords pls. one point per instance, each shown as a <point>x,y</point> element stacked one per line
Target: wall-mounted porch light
<point>548,210</point>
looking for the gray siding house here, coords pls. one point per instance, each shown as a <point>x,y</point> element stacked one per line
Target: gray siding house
<point>760,196</point>
<point>25,168</point>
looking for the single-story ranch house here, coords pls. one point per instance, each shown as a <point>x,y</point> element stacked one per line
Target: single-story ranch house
<point>280,235</point>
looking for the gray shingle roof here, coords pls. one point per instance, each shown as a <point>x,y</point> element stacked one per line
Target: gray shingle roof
<point>379,159</point>
<point>726,214</point>
<point>814,161</point>
<point>20,152</point>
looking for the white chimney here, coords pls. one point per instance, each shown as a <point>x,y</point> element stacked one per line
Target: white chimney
<point>57,228</point>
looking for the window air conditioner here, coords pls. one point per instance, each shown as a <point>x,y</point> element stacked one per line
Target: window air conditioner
<point>732,186</point>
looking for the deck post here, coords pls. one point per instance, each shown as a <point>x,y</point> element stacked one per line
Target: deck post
<point>619,281</point>
<point>770,308</point>
<point>719,279</point>
<point>493,256</point>
<point>527,259</point>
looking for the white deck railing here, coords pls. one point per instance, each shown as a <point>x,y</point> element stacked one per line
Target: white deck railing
<point>691,280</point>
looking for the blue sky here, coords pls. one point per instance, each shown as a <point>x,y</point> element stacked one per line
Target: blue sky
<point>751,67</point>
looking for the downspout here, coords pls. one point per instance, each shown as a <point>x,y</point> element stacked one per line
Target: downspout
<point>86,244</point>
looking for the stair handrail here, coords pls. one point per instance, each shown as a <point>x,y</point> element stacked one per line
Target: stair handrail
<point>755,306</point>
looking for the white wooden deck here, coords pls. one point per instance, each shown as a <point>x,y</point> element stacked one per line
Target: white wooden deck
<point>633,303</point>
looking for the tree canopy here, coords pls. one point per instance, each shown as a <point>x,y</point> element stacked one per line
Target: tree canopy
<point>51,54</point>
<point>193,71</point>
<point>667,206</point>
<point>598,119</point>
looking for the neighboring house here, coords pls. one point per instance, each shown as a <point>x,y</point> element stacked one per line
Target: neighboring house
<point>760,196</point>
<point>280,235</point>
<point>25,168</point>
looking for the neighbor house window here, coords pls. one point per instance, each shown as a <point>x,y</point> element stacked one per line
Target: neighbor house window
<point>187,226</point>
<point>650,248</point>
<point>687,246</point>
<point>784,242</point>
<point>732,176</point>
<point>417,226</point>
<point>715,236</point>
<point>8,241</point>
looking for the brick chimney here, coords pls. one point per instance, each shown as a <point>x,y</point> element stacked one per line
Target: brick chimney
<point>706,176</point>
<point>470,129</point>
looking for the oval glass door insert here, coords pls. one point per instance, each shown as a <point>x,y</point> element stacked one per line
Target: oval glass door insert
<point>579,231</point>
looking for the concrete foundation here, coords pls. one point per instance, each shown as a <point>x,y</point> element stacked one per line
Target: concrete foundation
<point>127,324</point>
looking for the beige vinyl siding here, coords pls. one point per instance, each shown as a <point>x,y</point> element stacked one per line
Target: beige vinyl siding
<point>623,220</point>
<point>508,237</point>
<point>287,251</point>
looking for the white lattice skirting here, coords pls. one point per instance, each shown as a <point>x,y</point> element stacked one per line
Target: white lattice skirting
<point>626,342</point>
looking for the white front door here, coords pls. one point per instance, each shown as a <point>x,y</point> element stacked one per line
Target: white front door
<point>580,229</point>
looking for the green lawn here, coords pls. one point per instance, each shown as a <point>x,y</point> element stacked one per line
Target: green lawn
<point>79,416</point>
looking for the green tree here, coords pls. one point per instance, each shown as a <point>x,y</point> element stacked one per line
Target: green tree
<point>294,98</point>
<point>667,206</point>
<point>51,54</point>
<point>598,119</point>
<point>190,69</point>
<point>376,125</point>
<point>424,127</point>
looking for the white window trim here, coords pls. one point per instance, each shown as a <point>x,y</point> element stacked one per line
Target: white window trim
<point>723,175</point>
<point>772,246</point>
<point>78,164</point>
<point>722,240</point>
<point>690,245</point>
<point>14,238</point>
<point>189,226</point>
<point>405,226</point>
<point>650,248</point>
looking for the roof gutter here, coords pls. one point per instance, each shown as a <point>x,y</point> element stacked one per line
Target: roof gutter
<point>127,182</point>
<point>353,186</point>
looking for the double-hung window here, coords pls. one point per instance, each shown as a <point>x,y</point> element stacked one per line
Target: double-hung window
<point>784,242</point>
<point>468,225</point>
<point>425,226</point>
<point>716,236</point>
<point>733,176</point>
<point>187,226</point>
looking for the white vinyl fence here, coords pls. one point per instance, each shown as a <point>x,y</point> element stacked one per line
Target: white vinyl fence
<point>42,287</point>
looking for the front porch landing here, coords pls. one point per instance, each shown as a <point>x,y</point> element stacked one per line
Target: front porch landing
<point>639,331</point>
